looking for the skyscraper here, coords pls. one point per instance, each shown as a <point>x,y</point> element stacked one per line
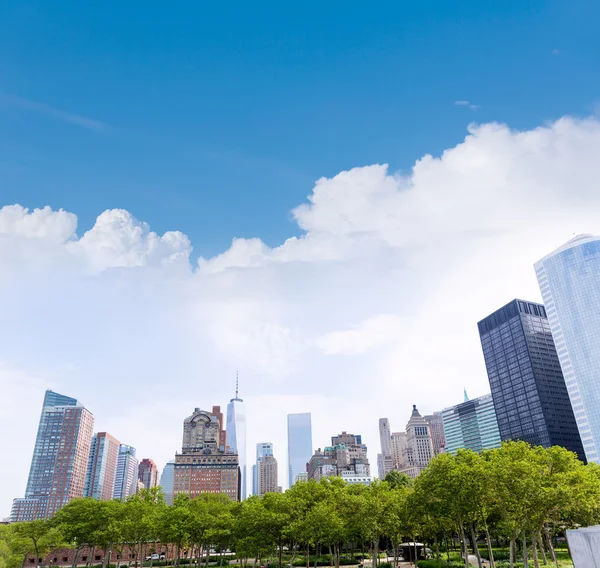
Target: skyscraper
<point>569,280</point>
<point>205,466</point>
<point>127,473</point>
<point>148,473</point>
<point>262,449</point>
<point>528,389</point>
<point>418,451</point>
<point>236,435</point>
<point>60,458</point>
<point>398,444</point>
<point>166,481</point>
<point>385,463</point>
<point>436,425</point>
<point>267,475</point>
<point>299,444</point>
<point>102,467</point>
<point>471,425</point>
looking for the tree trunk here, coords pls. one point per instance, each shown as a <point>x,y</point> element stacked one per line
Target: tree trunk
<point>542,548</point>
<point>307,559</point>
<point>550,545</point>
<point>330,556</point>
<point>75,557</point>
<point>293,556</point>
<point>91,556</point>
<point>475,547</point>
<point>280,552</point>
<point>464,548</point>
<point>375,552</point>
<point>177,555</point>
<point>534,552</point>
<point>525,552</point>
<point>415,550</point>
<point>437,549</point>
<point>513,551</point>
<point>489,547</point>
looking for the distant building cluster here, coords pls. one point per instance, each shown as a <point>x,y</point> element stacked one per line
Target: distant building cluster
<point>543,367</point>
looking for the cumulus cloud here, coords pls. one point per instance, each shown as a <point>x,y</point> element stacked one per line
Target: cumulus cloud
<point>371,310</point>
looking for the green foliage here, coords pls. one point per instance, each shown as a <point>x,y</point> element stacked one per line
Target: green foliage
<point>515,491</point>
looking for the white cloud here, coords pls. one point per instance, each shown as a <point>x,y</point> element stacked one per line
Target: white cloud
<point>468,104</point>
<point>371,310</point>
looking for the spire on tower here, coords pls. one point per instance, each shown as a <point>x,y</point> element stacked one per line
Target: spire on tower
<point>466,395</point>
<point>237,388</point>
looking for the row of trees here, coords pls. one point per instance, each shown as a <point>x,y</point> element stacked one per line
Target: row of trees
<point>517,494</point>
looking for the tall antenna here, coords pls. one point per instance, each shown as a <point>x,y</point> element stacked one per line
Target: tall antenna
<point>237,383</point>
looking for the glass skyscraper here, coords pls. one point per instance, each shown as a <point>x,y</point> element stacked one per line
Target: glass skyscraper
<point>299,444</point>
<point>166,481</point>
<point>569,280</point>
<point>471,425</point>
<point>127,473</point>
<point>262,449</point>
<point>102,467</point>
<point>527,384</point>
<point>236,436</point>
<point>60,458</point>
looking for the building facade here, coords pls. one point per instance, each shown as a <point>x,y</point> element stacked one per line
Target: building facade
<point>528,389</point>
<point>102,467</point>
<point>236,436</point>
<point>60,458</point>
<point>436,426</point>
<point>398,445</point>
<point>204,465</point>
<point>569,279</point>
<point>346,456</point>
<point>418,451</point>
<point>262,449</point>
<point>148,473</point>
<point>385,463</point>
<point>471,425</point>
<point>126,477</point>
<point>299,444</point>
<point>268,475</point>
<point>166,481</point>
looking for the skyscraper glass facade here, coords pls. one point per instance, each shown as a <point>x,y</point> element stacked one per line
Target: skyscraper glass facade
<point>166,481</point>
<point>528,389</point>
<point>102,467</point>
<point>60,458</point>
<point>471,425</point>
<point>569,280</point>
<point>127,473</point>
<point>299,444</point>
<point>236,438</point>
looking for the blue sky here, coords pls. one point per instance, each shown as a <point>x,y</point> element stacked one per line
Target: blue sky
<point>216,118</point>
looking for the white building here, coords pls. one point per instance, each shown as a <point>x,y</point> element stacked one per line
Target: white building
<point>419,445</point>
<point>236,436</point>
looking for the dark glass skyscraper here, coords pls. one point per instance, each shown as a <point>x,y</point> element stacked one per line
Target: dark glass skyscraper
<point>527,384</point>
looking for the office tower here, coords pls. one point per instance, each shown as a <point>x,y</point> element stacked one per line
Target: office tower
<point>569,280</point>
<point>267,475</point>
<point>60,458</point>
<point>236,435</point>
<point>528,389</point>
<point>347,459</point>
<point>204,464</point>
<point>102,467</point>
<point>385,463</point>
<point>299,444</point>
<point>419,446</point>
<point>127,473</point>
<point>436,425</point>
<point>471,425</point>
<point>398,445</point>
<point>148,473</point>
<point>166,481</point>
<point>357,451</point>
<point>262,449</point>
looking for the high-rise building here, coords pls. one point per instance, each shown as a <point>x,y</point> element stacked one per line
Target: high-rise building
<point>569,280</point>
<point>299,444</point>
<point>236,435</point>
<point>148,473</point>
<point>471,425</point>
<point>339,460</point>
<point>204,465</point>
<point>127,473</point>
<point>436,425</point>
<point>262,449</point>
<point>60,458</point>
<point>398,444</point>
<point>385,462</point>
<point>102,467</point>
<point>527,384</point>
<point>419,446</point>
<point>166,481</point>
<point>267,475</point>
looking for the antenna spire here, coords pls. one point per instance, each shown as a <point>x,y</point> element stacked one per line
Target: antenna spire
<point>237,383</point>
